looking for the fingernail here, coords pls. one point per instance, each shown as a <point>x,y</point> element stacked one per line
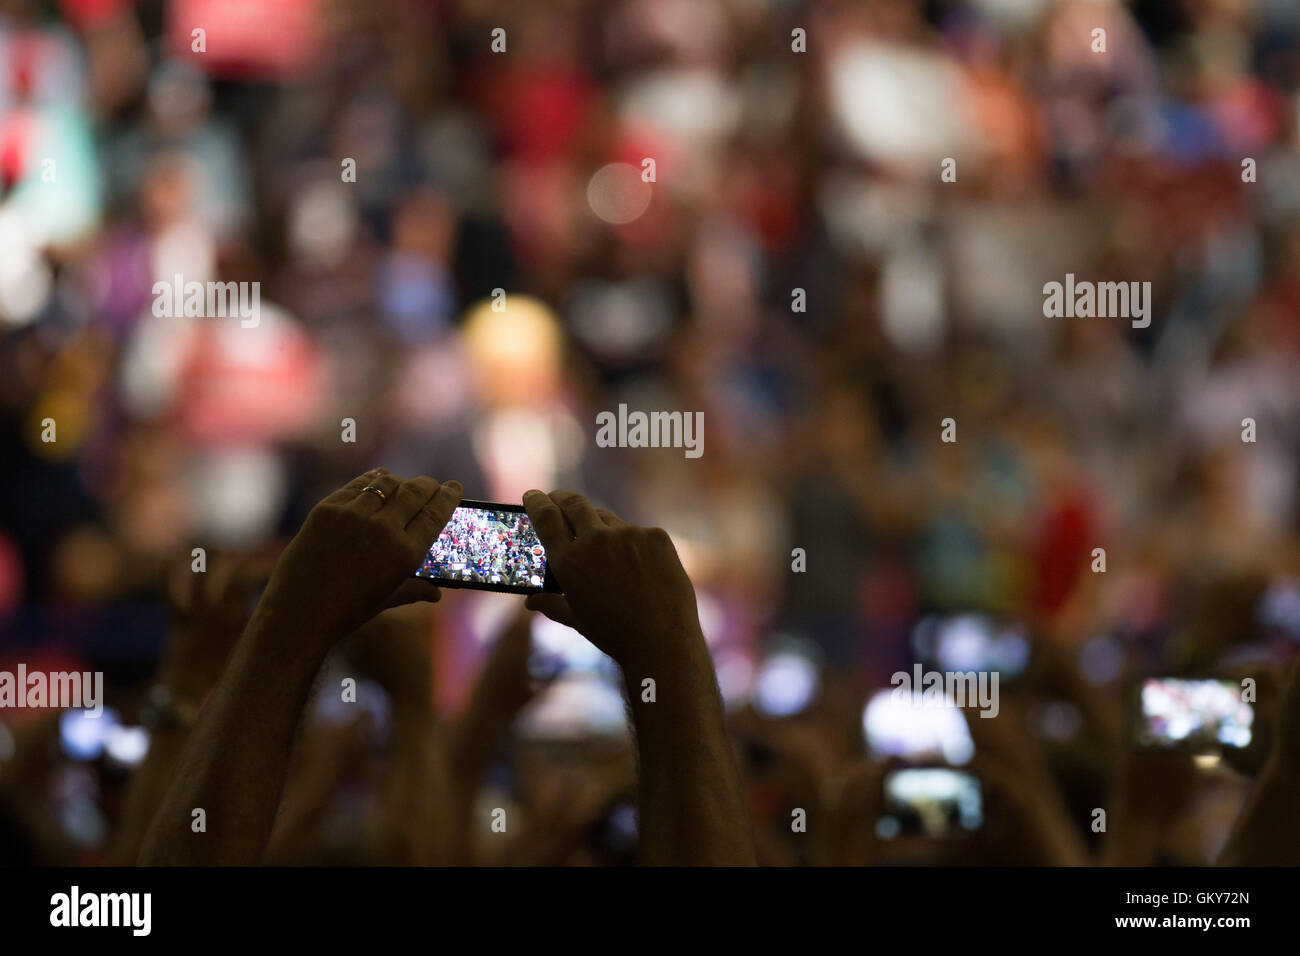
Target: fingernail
<point>454,485</point>
<point>531,491</point>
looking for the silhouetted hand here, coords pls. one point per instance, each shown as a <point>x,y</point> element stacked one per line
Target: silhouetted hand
<point>625,590</point>
<point>356,551</point>
<point>624,587</point>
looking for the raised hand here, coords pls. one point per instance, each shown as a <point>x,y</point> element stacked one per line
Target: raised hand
<point>351,558</point>
<point>624,587</point>
<point>625,590</point>
<point>357,549</point>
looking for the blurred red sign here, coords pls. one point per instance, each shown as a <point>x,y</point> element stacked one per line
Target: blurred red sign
<point>246,38</point>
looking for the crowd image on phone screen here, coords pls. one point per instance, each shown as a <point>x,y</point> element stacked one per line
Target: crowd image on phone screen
<point>487,547</point>
<point>1195,712</point>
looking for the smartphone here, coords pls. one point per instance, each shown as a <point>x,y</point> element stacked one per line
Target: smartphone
<point>489,546</point>
<point>932,802</point>
<point>1201,715</point>
<point>897,728</point>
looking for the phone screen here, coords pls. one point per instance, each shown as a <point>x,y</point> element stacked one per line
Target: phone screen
<point>1202,714</point>
<point>489,546</point>
<point>897,728</point>
<point>932,802</point>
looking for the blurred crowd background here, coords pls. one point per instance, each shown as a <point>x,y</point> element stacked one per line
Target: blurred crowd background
<point>796,270</point>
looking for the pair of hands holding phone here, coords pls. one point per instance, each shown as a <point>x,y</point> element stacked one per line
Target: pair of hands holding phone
<point>624,589</point>
<point>624,586</point>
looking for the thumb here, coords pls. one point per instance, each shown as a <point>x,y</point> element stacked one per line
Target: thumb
<point>554,606</point>
<point>413,591</point>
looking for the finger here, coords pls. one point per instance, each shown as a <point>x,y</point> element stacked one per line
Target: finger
<point>610,519</point>
<point>581,515</point>
<point>435,513</point>
<point>353,487</point>
<point>414,591</point>
<point>376,494</point>
<point>552,527</point>
<point>554,606</point>
<point>413,495</point>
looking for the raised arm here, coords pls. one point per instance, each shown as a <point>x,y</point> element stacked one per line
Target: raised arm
<point>209,611</point>
<point>350,559</point>
<point>626,591</point>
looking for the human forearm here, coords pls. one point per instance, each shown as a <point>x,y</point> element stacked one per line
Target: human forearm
<point>148,787</point>
<point>234,764</point>
<point>626,591</point>
<point>691,803</point>
<point>414,823</point>
<point>352,556</point>
<point>183,687</point>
